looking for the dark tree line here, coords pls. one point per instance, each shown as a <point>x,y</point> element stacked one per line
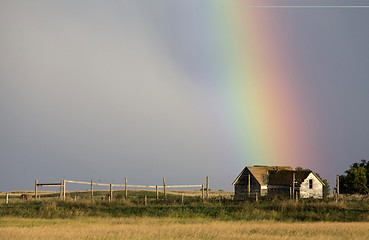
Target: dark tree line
<point>356,179</point>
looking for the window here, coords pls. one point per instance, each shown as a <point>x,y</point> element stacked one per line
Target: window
<point>310,183</point>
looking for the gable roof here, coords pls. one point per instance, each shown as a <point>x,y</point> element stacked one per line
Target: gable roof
<point>261,172</point>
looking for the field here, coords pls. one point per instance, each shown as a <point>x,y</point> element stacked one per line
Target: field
<point>182,216</point>
<point>175,228</point>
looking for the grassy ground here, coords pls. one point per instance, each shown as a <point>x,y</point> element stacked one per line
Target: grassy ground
<point>216,218</point>
<point>175,228</point>
<point>228,210</point>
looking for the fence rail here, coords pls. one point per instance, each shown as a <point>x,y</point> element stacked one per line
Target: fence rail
<point>123,185</point>
<point>48,184</point>
<point>62,185</point>
<point>183,186</point>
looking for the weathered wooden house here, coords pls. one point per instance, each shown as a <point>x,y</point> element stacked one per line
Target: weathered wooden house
<point>277,181</point>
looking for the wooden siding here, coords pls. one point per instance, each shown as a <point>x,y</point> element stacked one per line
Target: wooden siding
<point>242,185</point>
<point>279,191</point>
<point>317,188</point>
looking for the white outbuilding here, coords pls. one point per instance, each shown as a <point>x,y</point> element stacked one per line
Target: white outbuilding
<point>278,181</point>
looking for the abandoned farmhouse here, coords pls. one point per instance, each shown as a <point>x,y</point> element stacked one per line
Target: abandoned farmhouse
<point>277,181</point>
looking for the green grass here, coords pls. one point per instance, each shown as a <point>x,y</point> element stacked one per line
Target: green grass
<point>192,207</point>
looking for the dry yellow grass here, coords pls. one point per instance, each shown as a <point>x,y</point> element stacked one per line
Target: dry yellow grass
<point>225,194</point>
<point>169,228</point>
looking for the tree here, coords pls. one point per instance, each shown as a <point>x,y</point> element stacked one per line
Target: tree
<point>356,179</point>
<point>326,187</point>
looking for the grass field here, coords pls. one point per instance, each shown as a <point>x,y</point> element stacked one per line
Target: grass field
<point>226,210</point>
<point>215,218</point>
<point>175,228</point>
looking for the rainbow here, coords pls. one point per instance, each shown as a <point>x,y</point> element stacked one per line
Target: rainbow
<point>265,115</point>
<point>266,118</point>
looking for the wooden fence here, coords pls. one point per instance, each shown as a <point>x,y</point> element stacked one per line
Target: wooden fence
<point>63,184</point>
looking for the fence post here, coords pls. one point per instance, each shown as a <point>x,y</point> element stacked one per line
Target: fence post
<point>182,197</point>
<point>290,192</point>
<point>297,196</point>
<point>6,198</point>
<point>338,187</point>
<point>63,190</point>
<point>36,182</point>
<point>165,193</point>
<point>202,192</point>
<point>256,197</point>
<point>111,193</point>
<point>145,200</point>
<point>293,185</point>
<point>157,193</point>
<point>126,187</point>
<point>207,187</point>
<point>92,190</point>
<point>248,185</point>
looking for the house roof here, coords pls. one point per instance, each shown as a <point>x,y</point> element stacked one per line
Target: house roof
<point>261,172</point>
<point>277,175</point>
<point>284,177</point>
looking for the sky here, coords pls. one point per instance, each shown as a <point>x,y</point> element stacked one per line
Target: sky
<point>108,90</point>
